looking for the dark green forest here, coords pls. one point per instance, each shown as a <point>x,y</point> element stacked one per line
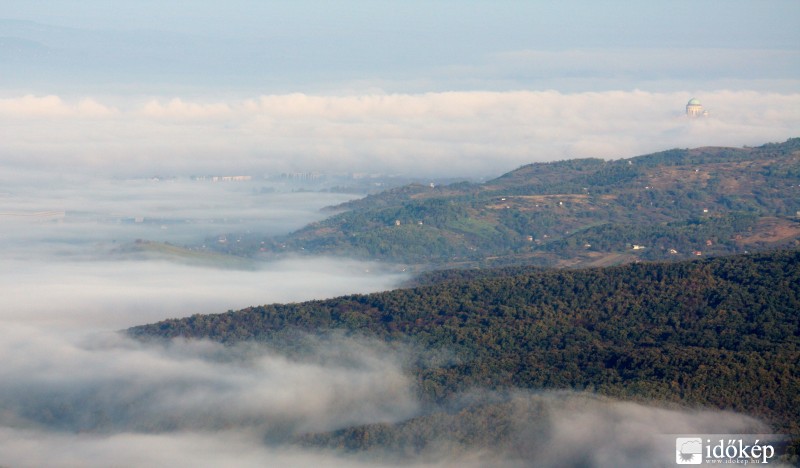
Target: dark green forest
<point>719,332</point>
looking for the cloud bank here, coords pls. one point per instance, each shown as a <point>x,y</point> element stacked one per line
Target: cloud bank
<point>106,383</point>
<point>63,262</point>
<point>103,399</point>
<point>444,133</point>
<point>106,294</point>
<point>563,428</point>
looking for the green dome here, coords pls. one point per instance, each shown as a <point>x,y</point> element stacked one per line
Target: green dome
<point>693,102</point>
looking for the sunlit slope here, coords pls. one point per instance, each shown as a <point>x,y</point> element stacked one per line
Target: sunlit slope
<point>671,205</point>
<point>150,250</point>
<point>722,333</point>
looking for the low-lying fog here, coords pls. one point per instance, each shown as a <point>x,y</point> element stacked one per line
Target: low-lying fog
<point>73,392</point>
<point>61,240</point>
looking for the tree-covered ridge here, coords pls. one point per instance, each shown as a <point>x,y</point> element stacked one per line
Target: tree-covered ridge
<point>721,332</point>
<point>670,205</point>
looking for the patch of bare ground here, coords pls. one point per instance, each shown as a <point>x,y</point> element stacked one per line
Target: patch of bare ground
<point>771,231</point>
<point>321,231</point>
<point>724,173</point>
<point>670,176</point>
<point>524,202</point>
<point>610,259</point>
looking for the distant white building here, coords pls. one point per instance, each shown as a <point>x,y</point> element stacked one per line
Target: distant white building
<point>695,109</point>
<point>241,178</point>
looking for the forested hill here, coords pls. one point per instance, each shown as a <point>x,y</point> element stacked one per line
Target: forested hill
<point>722,332</point>
<point>672,205</point>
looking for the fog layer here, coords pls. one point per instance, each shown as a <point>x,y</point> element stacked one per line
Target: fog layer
<point>454,134</point>
<point>74,392</point>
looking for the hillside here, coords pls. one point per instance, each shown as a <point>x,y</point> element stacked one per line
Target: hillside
<point>721,333</point>
<point>672,205</point>
<point>143,249</point>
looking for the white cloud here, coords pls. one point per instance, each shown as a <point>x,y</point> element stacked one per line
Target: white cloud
<point>108,383</point>
<point>31,448</point>
<point>75,393</point>
<point>32,107</point>
<point>456,133</point>
<point>545,429</point>
<point>179,109</point>
<point>595,431</point>
<point>114,294</point>
<point>102,400</point>
<point>60,264</point>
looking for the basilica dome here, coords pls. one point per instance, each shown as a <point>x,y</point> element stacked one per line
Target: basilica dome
<point>694,108</point>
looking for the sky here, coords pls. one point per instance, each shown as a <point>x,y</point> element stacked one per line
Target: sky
<point>455,88</point>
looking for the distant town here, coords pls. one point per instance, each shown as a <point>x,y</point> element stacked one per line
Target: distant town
<point>354,182</point>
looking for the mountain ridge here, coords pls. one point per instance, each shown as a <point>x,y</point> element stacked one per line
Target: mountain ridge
<point>669,205</point>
